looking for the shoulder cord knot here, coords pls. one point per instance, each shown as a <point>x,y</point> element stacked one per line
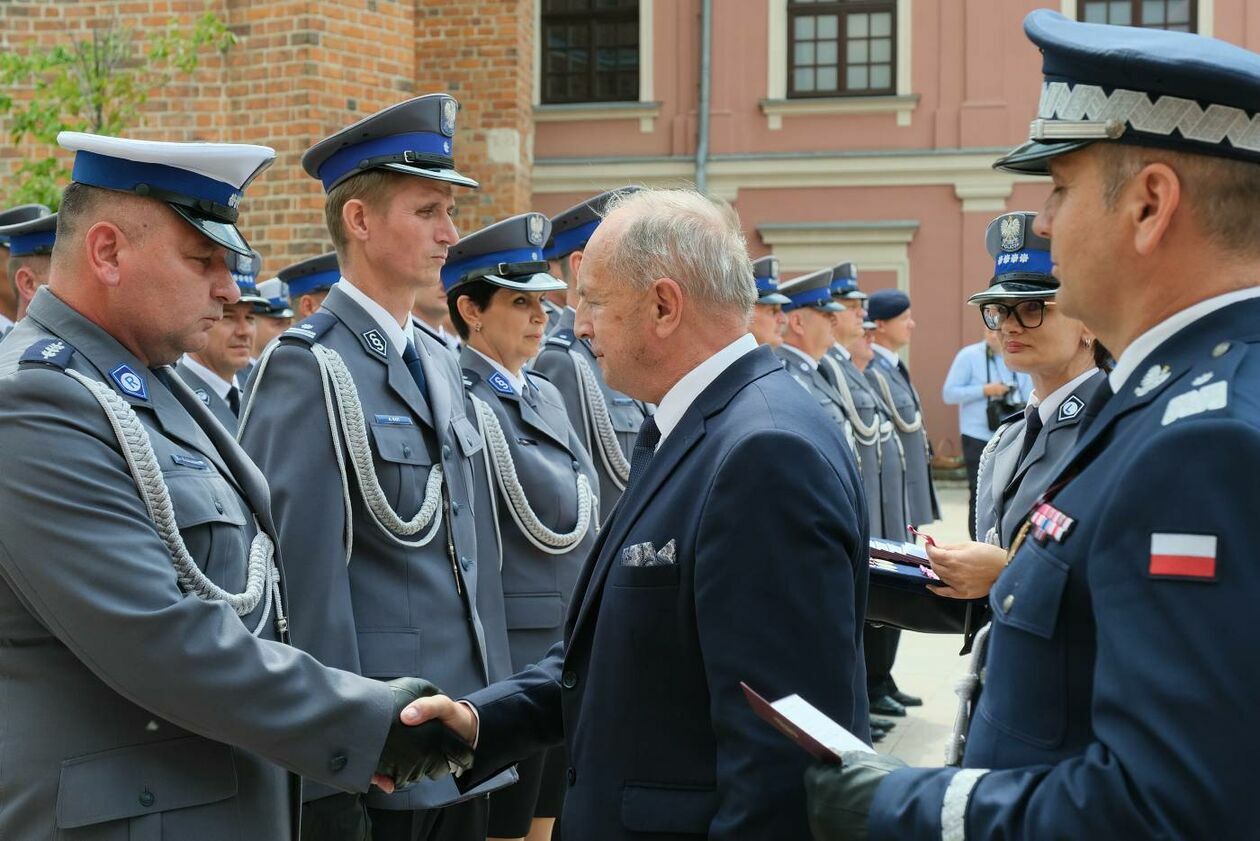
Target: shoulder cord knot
<point>262,579</point>
<point>500,455</point>
<point>595,413</point>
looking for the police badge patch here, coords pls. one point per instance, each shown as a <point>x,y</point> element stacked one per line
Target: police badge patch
<point>376,342</point>
<point>129,382</point>
<point>1070,408</point>
<point>1012,231</point>
<point>500,384</point>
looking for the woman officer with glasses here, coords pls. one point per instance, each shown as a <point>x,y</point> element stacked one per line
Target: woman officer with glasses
<point>1024,456</point>
<point>537,499</point>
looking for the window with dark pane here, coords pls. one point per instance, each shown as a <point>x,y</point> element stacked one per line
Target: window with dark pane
<point>1180,15</point>
<point>590,51</point>
<point>841,47</point>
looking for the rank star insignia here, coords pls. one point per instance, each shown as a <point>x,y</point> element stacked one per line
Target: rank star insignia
<point>1154,377</point>
<point>1012,231</point>
<point>376,342</point>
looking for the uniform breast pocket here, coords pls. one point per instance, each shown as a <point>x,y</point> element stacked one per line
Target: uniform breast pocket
<point>212,523</point>
<point>403,462</point>
<point>1029,649</point>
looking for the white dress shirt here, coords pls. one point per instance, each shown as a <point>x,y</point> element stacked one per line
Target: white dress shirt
<point>804,357</point>
<point>1144,345</point>
<point>219,385</point>
<point>393,330</point>
<point>679,398</point>
<point>890,355</point>
<point>844,351</point>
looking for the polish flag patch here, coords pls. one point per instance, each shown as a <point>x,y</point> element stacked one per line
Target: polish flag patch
<point>1189,556</point>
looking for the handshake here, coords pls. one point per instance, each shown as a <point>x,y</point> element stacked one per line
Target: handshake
<point>425,739</point>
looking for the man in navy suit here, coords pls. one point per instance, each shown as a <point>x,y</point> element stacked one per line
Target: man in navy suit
<point>738,553</point>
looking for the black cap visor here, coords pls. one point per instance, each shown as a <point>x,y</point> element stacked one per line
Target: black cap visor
<point>223,233</point>
<point>1033,157</point>
<point>436,172</point>
<point>1028,288</point>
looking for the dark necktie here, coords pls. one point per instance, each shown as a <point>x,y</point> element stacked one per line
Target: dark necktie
<point>905,372</point>
<point>1032,427</point>
<point>234,400</point>
<point>644,449</point>
<point>411,358</point>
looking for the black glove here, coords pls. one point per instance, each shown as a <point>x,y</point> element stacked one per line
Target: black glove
<point>839,797</point>
<point>425,750</point>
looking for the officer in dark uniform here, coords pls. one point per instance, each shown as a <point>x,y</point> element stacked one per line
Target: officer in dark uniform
<point>30,257</point>
<point>768,320</point>
<point>1116,636</point>
<point>8,295</point>
<point>546,511</point>
<point>376,508</point>
<point>606,420</point>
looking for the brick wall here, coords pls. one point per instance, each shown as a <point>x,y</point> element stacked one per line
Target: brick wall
<point>303,69</point>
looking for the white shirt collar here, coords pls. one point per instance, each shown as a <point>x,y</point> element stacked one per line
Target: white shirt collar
<point>1144,345</point>
<point>1046,408</point>
<point>844,351</point>
<point>813,363</point>
<point>219,385</point>
<point>517,380</point>
<point>678,399</point>
<point>5,322</point>
<point>394,331</point>
<point>890,355</point>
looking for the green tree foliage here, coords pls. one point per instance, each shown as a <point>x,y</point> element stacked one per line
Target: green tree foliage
<point>98,84</point>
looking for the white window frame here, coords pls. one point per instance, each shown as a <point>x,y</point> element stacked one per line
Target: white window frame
<point>1207,13</point>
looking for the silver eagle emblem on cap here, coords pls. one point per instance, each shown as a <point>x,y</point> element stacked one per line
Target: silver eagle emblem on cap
<point>1012,231</point>
<point>449,109</point>
<point>534,228</point>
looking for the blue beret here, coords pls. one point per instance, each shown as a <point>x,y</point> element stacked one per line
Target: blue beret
<point>412,137</point>
<point>886,303</point>
<point>572,229</point>
<point>1146,87</point>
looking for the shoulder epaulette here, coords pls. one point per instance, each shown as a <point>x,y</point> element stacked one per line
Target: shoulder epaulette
<point>54,352</point>
<point>309,329</point>
<point>471,378</point>
<point>529,372</point>
<point>562,338</point>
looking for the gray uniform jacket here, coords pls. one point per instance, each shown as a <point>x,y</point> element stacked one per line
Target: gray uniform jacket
<point>812,380</point>
<point>1004,494</point>
<point>881,461</point>
<point>443,340</point>
<point>216,404</point>
<point>387,610</point>
<point>558,362</point>
<point>129,708</point>
<point>548,457</point>
<point>900,396</point>
<point>554,314</point>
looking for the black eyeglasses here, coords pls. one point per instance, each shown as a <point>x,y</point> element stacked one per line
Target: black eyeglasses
<point>1029,314</point>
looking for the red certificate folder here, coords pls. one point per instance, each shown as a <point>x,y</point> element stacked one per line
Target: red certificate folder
<point>804,724</point>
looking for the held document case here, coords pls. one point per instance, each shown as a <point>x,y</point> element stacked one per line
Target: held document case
<point>899,597</point>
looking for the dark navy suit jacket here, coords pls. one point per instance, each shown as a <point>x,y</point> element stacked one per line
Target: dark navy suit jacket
<point>1109,662</point>
<point>759,491</point>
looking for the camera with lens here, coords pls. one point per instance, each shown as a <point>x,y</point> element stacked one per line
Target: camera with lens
<point>1001,408</point>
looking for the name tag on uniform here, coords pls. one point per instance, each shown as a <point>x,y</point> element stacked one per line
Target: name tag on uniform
<point>189,461</point>
<point>394,420</point>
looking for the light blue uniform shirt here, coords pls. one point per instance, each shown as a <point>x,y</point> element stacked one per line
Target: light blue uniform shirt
<point>964,387</point>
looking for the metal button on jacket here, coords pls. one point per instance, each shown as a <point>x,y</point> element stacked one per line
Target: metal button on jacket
<point>569,680</point>
<point>1008,603</point>
<point>337,762</point>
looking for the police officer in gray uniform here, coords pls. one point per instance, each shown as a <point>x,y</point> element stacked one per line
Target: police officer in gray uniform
<point>30,246</point>
<point>147,689</point>
<point>882,461</point>
<point>19,215</point>
<point>547,504</point>
<point>221,389</point>
<point>358,422</point>
<point>808,336</point>
<point>606,420</point>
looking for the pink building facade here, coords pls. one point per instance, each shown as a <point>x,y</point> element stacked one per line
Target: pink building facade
<point>893,174</point>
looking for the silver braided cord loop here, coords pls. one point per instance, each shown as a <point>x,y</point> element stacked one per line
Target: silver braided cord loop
<point>968,690</point>
<point>262,579</point>
<point>905,426</point>
<point>986,455</point>
<point>595,409</point>
<point>337,377</point>
<point>510,488</point>
<point>865,434</point>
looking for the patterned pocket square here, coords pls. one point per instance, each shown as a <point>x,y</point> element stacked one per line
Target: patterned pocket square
<point>646,555</point>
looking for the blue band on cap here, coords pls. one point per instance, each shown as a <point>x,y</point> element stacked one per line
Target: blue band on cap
<point>347,160</point>
<point>813,296</point>
<point>452,272</point>
<point>119,174</point>
<point>311,282</point>
<point>766,285</point>
<point>571,240</point>
<point>20,245</point>
<point>1029,260</point>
